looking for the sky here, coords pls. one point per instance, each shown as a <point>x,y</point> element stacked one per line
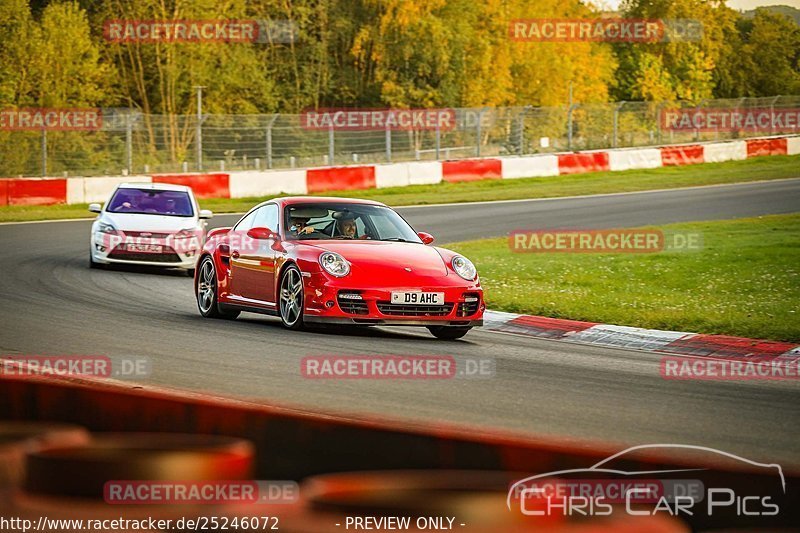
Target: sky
<point>743,5</point>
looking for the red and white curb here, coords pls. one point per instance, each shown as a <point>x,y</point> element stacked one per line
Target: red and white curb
<point>653,340</point>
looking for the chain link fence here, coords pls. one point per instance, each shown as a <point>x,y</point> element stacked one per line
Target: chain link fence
<point>134,143</point>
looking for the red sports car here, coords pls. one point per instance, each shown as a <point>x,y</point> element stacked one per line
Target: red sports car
<point>336,261</point>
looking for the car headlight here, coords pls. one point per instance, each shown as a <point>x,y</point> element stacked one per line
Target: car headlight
<point>104,227</point>
<point>464,268</point>
<point>334,264</point>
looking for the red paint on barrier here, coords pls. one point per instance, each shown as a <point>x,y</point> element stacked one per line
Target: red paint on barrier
<point>4,192</point>
<point>581,162</point>
<point>691,154</point>
<point>472,170</point>
<point>204,185</point>
<point>540,326</point>
<point>340,178</point>
<point>36,191</point>
<point>759,147</point>
<point>724,346</point>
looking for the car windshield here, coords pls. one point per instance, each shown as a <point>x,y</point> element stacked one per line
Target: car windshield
<point>151,202</point>
<point>314,221</point>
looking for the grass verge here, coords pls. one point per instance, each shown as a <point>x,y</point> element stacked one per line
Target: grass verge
<point>759,168</point>
<point>744,282</point>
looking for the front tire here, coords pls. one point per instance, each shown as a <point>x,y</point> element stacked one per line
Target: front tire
<point>291,298</point>
<point>448,333</point>
<point>206,292</point>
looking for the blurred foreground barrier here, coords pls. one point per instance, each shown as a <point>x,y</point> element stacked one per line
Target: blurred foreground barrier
<point>293,444</point>
<point>20,438</point>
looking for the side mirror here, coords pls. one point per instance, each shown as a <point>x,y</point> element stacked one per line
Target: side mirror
<point>205,213</point>
<point>95,208</point>
<point>262,234</point>
<point>426,238</point>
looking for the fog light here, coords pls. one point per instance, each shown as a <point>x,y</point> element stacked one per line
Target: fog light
<point>100,247</point>
<point>350,296</point>
<point>329,303</point>
<point>470,299</point>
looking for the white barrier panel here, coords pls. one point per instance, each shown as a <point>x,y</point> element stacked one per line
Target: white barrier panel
<point>726,151</point>
<point>529,166</point>
<point>75,190</point>
<point>632,159</point>
<point>99,189</point>
<point>793,145</point>
<point>424,172</point>
<point>267,182</point>
<point>391,175</point>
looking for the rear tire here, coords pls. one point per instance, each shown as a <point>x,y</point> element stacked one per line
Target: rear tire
<point>448,333</point>
<point>291,298</point>
<point>206,292</point>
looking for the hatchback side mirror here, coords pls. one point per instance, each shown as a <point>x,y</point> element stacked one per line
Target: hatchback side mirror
<point>426,238</point>
<point>205,213</point>
<point>95,208</point>
<point>262,234</point>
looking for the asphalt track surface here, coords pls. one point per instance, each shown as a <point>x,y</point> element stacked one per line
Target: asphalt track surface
<point>51,303</point>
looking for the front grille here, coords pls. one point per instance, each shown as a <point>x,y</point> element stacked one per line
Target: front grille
<point>353,307</point>
<point>468,308</point>
<point>390,309</point>
<point>169,257</point>
<point>147,234</point>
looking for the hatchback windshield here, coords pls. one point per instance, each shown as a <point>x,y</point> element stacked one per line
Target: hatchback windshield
<point>151,202</point>
<point>346,221</point>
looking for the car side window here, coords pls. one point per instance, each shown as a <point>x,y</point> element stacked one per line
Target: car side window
<point>247,222</point>
<point>267,217</point>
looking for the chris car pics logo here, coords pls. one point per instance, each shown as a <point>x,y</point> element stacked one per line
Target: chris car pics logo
<point>602,489</point>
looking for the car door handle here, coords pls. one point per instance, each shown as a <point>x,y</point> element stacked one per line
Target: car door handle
<point>235,254</point>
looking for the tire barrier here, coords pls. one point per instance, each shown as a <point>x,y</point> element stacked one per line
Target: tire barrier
<point>82,471</point>
<point>20,438</point>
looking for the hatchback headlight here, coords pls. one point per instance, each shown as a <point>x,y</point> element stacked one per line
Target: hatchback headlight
<point>104,227</point>
<point>464,268</point>
<point>334,264</point>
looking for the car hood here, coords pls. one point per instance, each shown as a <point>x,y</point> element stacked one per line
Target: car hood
<point>388,257</point>
<point>156,223</point>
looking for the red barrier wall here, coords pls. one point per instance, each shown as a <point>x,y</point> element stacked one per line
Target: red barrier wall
<point>204,185</point>
<point>36,191</point>
<point>340,178</point>
<point>759,147</point>
<point>682,155</point>
<point>581,162</point>
<point>4,192</point>
<point>472,169</point>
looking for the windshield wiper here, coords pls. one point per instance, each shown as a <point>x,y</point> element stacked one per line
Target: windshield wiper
<point>395,239</point>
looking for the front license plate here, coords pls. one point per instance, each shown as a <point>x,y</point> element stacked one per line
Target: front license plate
<point>146,248</point>
<point>417,298</point>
